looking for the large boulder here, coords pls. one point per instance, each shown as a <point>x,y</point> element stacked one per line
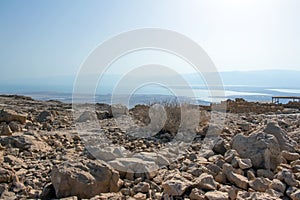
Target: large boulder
<point>10,115</point>
<point>84,179</point>
<point>282,137</point>
<point>262,148</point>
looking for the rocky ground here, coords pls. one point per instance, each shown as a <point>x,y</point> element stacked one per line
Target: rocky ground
<point>44,154</point>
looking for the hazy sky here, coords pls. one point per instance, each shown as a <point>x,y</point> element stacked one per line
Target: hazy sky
<point>53,37</point>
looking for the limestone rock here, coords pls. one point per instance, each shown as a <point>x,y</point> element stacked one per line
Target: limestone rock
<point>176,186</point>
<point>197,194</point>
<point>244,195</point>
<point>119,110</point>
<point>245,126</point>
<point>237,179</point>
<point>87,116</point>
<point>206,182</point>
<point>250,175</point>
<point>260,184</point>
<point>1,157</point>
<point>289,156</point>
<point>229,155</point>
<point>265,173</point>
<point>296,195</point>
<point>278,185</point>
<point>142,187</point>
<point>219,147</point>
<point>289,178</point>
<point>232,193</point>
<point>25,142</point>
<point>284,141</point>
<point>136,166</point>
<point>6,131</point>
<point>221,178</point>
<point>5,175</point>
<point>103,115</point>
<point>45,116</point>
<point>84,179</point>
<point>14,161</point>
<point>216,195</point>
<point>263,149</point>
<point>10,115</point>
<point>159,159</point>
<point>244,163</point>
<point>15,126</point>
<point>140,196</point>
<point>8,195</point>
<point>290,190</point>
<point>48,192</point>
<point>106,153</point>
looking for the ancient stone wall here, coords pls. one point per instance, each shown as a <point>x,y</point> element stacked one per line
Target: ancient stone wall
<point>292,104</point>
<point>242,106</point>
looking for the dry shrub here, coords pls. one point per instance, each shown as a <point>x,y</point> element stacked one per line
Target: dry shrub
<point>184,116</point>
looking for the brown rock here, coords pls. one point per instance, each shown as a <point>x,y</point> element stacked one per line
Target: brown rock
<point>45,116</point>
<point>237,179</point>
<point>48,192</point>
<point>284,141</point>
<point>8,195</point>
<point>244,163</point>
<point>87,116</point>
<point>233,192</point>
<point>84,179</point>
<point>263,149</point>
<point>6,131</point>
<point>25,142</point>
<point>278,185</point>
<point>15,126</point>
<point>244,195</point>
<point>289,178</point>
<point>260,184</point>
<point>265,173</point>
<point>221,178</point>
<point>176,186</point>
<point>289,156</point>
<point>140,196</point>
<point>142,187</point>
<point>197,194</point>
<point>10,115</point>
<point>296,195</point>
<point>216,195</point>
<point>206,182</point>
<point>219,147</point>
<point>250,175</point>
<point>229,155</point>
<point>5,175</point>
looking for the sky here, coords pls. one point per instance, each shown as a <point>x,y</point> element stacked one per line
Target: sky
<point>52,38</point>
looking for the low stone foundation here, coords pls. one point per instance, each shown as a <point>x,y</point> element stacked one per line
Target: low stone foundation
<point>239,105</point>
